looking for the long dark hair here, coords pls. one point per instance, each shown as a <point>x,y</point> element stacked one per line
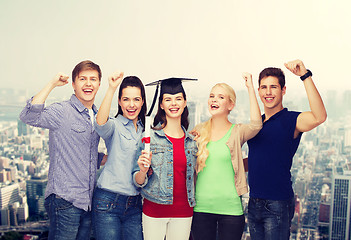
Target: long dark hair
<point>160,116</point>
<point>133,81</point>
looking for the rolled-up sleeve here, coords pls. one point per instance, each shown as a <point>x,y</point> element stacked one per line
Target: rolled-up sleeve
<point>105,130</point>
<point>250,130</point>
<point>39,116</point>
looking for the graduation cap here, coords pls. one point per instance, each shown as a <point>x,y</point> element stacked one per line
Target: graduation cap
<point>169,85</point>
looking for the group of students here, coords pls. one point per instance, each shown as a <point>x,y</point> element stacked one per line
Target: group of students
<point>189,181</point>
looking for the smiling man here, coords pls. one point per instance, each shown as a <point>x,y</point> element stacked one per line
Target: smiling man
<point>271,204</point>
<point>73,150</point>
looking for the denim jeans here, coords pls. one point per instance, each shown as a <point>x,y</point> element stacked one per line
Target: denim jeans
<point>67,221</point>
<point>116,216</point>
<point>270,219</point>
<point>209,226</point>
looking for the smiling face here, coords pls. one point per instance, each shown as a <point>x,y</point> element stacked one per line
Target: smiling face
<point>85,87</point>
<point>173,105</point>
<point>131,102</point>
<point>219,102</point>
<point>271,93</point>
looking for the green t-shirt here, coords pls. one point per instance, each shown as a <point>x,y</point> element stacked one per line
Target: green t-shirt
<point>215,185</point>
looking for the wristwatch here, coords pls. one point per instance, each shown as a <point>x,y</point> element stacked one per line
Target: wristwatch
<point>308,74</point>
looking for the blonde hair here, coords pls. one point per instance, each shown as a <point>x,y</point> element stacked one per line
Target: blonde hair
<point>204,131</point>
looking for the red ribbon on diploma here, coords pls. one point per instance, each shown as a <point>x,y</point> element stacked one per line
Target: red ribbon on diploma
<point>145,140</point>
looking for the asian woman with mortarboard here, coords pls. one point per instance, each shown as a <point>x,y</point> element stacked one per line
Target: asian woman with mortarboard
<point>166,174</point>
<point>221,179</point>
<point>117,204</point>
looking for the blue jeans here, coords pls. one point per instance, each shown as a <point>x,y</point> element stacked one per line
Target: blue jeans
<point>270,219</point>
<point>67,221</point>
<point>210,226</point>
<point>116,216</point>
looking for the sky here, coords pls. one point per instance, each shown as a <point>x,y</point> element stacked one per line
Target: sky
<point>212,40</point>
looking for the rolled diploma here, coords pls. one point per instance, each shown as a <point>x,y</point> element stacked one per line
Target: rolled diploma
<point>147,135</point>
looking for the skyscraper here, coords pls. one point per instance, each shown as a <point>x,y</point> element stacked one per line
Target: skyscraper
<point>192,115</point>
<point>23,129</point>
<point>9,195</point>
<point>339,227</point>
<point>36,195</point>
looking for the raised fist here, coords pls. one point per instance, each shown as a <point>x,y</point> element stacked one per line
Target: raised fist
<point>296,67</point>
<point>60,79</point>
<point>248,79</point>
<point>115,79</point>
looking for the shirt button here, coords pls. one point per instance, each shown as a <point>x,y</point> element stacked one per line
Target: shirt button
<point>189,164</point>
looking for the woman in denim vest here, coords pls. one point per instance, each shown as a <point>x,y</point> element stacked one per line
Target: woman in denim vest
<point>166,174</point>
<point>117,205</point>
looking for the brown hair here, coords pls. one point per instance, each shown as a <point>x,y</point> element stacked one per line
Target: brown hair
<point>273,72</point>
<point>85,65</point>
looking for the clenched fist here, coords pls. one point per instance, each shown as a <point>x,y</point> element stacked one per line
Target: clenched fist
<point>248,79</point>
<point>296,67</point>
<point>115,79</point>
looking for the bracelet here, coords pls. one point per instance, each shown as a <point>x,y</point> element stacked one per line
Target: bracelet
<point>308,74</point>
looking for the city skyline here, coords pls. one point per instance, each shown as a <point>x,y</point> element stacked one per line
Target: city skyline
<point>322,152</point>
<point>214,41</point>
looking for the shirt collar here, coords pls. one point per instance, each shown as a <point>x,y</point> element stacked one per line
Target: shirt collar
<point>79,105</point>
<point>125,120</point>
<point>275,115</point>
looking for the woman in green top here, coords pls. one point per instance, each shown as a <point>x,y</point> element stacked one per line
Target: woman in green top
<point>221,178</point>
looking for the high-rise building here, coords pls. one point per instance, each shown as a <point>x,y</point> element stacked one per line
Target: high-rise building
<point>192,115</point>
<point>13,214</point>
<point>4,162</point>
<point>347,138</point>
<point>22,213</point>
<point>22,128</point>
<point>12,173</point>
<point>3,176</point>
<point>331,104</point>
<point>346,98</point>
<point>36,195</point>
<point>5,217</point>
<point>36,142</point>
<point>324,213</point>
<point>9,195</point>
<point>339,226</point>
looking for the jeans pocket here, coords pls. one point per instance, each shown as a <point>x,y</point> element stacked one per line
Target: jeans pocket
<point>277,208</point>
<point>62,204</point>
<point>101,205</point>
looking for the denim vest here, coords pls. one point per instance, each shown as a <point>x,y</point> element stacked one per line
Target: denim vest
<point>158,187</point>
